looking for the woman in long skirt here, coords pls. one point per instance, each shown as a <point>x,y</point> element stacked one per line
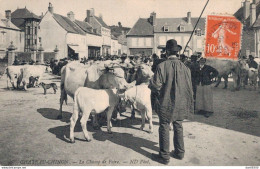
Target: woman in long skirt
<point>204,94</point>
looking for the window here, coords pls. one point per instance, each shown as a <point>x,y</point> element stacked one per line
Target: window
<point>28,42</point>
<point>35,31</point>
<point>198,32</point>
<point>182,29</point>
<point>166,28</point>
<point>35,41</point>
<point>28,30</point>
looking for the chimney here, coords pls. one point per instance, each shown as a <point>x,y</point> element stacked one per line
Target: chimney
<point>189,17</point>
<point>50,8</point>
<point>88,16</point>
<point>153,18</point>
<point>101,16</point>
<point>8,14</point>
<point>246,9</point>
<point>92,12</point>
<point>252,14</point>
<point>256,1</point>
<point>71,16</point>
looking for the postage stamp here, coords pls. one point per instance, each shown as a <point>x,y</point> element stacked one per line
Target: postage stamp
<point>223,37</point>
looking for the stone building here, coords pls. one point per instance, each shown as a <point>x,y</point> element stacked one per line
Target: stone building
<point>28,22</point>
<point>149,35</point>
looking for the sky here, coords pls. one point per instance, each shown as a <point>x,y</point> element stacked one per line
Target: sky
<point>125,11</point>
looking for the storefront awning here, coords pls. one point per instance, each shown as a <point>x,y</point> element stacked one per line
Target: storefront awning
<point>75,48</point>
<point>161,47</point>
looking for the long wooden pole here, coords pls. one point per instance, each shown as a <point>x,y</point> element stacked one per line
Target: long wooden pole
<point>195,26</point>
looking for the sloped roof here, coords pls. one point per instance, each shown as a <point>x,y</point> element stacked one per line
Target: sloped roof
<point>67,24</point>
<point>5,23</point>
<point>23,13</point>
<point>174,24</point>
<point>101,22</point>
<point>19,23</point>
<point>86,27</point>
<point>141,28</point>
<point>239,14</point>
<point>201,24</point>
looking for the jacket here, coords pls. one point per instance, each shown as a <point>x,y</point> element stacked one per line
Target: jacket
<point>206,74</point>
<point>172,83</point>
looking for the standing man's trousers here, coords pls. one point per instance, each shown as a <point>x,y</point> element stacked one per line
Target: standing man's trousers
<point>164,140</point>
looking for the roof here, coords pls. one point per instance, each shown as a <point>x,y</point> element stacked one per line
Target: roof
<point>86,27</point>
<point>100,20</point>
<point>19,23</point>
<point>144,28</point>
<point>67,24</point>
<point>174,24</point>
<point>141,28</point>
<point>23,13</point>
<point>239,14</point>
<point>5,23</point>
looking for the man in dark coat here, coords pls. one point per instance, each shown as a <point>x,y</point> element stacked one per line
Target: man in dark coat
<point>252,63</point>
<point>172,83</point>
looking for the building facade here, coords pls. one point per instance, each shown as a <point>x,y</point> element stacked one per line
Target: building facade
<point>63,32</point>
<point>10,33</point>
<point>149,35</point>
<point>28,22</point>
<point>101,28</point>
<point>248,15</point>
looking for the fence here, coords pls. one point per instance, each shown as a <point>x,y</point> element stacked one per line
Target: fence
<point>48,56</point>
<point>23,56</point>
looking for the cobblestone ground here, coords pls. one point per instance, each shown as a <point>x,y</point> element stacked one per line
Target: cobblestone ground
<point>31,135</point>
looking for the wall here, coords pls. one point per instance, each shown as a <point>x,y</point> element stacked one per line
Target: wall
<point>94,40</point>
<point>106,36</point>
<point>12,35</point>
<point>139,43</point>
<point>80,42</point>
<point>196,43</point>
<point>257,42</point>
<point>53,34</point>
<point>115,46</point>
<point>248,42</point>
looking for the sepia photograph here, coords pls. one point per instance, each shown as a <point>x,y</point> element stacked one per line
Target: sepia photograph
<point>129,83</point>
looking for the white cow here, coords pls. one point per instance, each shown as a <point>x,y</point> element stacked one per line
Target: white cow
<point>252,76</point>
<point>140,97</point>
<point>12,73</point>
<point>95,101</point>
<point>35,71</point>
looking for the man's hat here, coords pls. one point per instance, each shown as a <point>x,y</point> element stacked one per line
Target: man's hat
<point>202,60</point>
<point>251,56</point>
<point>123,55</point>
<point>172,45</point>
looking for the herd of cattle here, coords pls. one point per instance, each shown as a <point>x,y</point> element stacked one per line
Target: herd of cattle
<point>109,86</point>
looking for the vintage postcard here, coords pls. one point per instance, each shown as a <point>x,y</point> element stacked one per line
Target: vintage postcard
<point>129,83</point>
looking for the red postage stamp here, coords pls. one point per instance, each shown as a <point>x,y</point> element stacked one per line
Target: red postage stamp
<point>223,37</point>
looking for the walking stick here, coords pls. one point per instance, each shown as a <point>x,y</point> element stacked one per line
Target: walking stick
<point>195,26</point>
